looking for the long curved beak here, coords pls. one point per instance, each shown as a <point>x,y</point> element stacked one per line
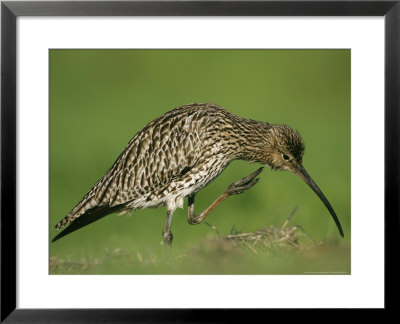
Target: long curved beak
<point>302,173</point>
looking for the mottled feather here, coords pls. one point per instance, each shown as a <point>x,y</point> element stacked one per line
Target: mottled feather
<point>175,156</point>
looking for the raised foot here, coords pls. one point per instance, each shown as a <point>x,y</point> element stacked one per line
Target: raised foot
<point>243,184</point>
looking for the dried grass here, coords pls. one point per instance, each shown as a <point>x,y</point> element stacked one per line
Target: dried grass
<point>265,239</point>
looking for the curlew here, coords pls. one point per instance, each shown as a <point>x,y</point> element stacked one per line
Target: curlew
<point>181,152</point>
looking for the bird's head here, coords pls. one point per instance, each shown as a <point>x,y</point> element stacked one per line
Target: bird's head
<point>285,148</point>
<point>284,151</point>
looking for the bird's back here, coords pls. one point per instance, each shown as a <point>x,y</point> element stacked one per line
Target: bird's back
<point>174,155</point>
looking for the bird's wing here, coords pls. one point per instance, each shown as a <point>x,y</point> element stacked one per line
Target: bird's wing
<point>150,161</point>
<point>166,148</point>
<point>163,151</point>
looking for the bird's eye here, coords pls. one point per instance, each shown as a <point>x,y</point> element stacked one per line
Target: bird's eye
<point>285,157</point>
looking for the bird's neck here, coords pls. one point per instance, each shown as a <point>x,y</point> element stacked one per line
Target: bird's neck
<point>253,141</point>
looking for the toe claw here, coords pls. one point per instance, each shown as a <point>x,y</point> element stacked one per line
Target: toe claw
<point>248,179</point>
<point>243,184</point>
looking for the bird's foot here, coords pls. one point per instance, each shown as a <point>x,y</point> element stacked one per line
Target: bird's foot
<point>168,237</point>
<point>243,184</point>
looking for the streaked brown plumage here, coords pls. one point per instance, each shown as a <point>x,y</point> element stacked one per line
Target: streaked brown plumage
<point>178,154</point>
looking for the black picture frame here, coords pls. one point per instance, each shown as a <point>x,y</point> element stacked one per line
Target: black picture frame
<point>10,10</point>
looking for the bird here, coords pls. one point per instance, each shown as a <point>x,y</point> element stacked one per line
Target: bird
<point>179,153</point>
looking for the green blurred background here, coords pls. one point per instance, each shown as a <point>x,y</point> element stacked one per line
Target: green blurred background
<point>99,99</point>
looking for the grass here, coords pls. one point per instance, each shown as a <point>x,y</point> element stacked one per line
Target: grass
<point>270,250</point>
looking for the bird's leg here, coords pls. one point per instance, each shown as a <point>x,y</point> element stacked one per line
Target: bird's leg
<point>235,188</point>
<point>167,234</point>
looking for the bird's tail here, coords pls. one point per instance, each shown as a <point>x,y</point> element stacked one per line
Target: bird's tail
<point>86,218</point>
<point>87,210</point>
<point>88,202</point>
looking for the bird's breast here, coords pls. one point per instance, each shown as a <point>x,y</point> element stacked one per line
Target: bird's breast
<point>173,194</point>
